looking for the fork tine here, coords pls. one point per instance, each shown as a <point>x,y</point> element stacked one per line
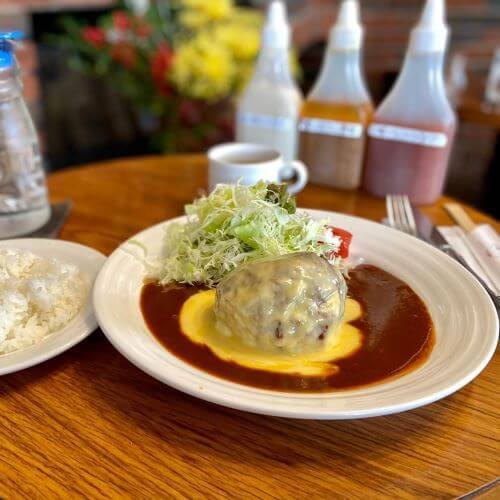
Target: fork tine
<point>403,216</point>
<point>394,212</point>
<point>406,212</point>
<point>390,210</point>
<point>398,213</point>
<point>409,215</point>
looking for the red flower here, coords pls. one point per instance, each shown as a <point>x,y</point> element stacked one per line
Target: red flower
<point>189,112</point>
<point>160,64</point>
<point>121,21</point>
<point>94,36</point>
<point>227,127</point>
<point>142,28</point>
<point>124,54</point>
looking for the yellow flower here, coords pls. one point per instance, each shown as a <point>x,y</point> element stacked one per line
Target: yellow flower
<point>197,13</point>
<point>216,56</point>
<point>203,68</point>
<point>295,68</point>
<point>242,41</point>
<point>192,19</point>
<point>248,16</point>
<point>245,72</point>
<point>240,33</point>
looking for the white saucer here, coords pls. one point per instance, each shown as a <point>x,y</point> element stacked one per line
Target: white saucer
<point>89,261</point>
<point>464,317</point>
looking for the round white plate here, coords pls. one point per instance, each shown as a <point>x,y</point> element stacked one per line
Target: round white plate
<point>89,261</point>
<point>464,317</point>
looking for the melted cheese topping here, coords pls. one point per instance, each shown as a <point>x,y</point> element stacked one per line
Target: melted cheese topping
<point>197,321</point>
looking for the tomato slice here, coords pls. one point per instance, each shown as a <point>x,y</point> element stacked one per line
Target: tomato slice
<point>345,237</point>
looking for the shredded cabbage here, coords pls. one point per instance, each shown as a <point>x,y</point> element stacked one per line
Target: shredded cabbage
<point>237,224</point>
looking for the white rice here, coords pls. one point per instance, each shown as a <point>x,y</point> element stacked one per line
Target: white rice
<point>38,296</point>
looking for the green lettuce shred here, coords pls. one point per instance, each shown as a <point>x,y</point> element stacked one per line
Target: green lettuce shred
<point>236,224</point>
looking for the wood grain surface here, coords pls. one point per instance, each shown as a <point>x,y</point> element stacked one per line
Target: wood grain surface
<point>90,424</point>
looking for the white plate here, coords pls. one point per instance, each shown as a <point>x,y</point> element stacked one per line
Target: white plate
<point>465,320</point>
<point>89,262</point>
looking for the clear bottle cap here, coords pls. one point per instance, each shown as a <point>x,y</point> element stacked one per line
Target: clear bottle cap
<point>347,32</point>
<point>431,32</point>
<point>276,31</point>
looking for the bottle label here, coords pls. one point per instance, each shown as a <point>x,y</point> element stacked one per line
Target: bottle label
<point>409,135</point>
<point>266,121</point>
<point>351,130</point>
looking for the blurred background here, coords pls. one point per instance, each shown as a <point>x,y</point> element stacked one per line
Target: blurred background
<point>101,79</point>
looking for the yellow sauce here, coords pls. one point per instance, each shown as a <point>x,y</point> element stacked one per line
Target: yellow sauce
<point>197,321</point>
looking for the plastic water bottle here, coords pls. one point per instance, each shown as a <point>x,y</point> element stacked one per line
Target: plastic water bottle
<point>24,205</point>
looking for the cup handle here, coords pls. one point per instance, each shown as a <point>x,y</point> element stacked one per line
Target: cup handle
<point>302,176</point>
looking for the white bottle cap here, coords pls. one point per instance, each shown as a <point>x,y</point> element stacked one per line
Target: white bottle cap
<point>347,32</point>
<point>431,32</point>
<point>276,32</point>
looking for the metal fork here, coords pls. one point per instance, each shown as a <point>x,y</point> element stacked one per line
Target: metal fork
<point>400,214</point>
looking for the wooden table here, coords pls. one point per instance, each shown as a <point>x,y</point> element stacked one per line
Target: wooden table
<point>90,424</point>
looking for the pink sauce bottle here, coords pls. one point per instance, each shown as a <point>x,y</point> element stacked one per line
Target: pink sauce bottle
<point>410,138</point>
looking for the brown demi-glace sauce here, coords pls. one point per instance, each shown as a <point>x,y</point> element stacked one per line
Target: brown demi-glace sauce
<point>397,335</point>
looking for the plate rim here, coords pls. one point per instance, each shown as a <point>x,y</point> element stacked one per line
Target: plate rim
<point>267,409</point>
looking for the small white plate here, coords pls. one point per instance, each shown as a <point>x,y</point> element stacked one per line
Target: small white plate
<point>464,317</point>
<point>89,262</point>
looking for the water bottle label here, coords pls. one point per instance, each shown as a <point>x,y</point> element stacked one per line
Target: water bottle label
<point>266,121</point>
<point>350,130</point>
<point>409,135</point>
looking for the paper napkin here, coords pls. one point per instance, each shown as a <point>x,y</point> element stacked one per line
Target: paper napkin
<point>481,250</point>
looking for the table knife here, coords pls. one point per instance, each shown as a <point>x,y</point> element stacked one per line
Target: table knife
<point>427,231</point>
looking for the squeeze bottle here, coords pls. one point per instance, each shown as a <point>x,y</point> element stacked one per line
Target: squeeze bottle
<point>269,106</point>
<point>410,139</point>
<point>338,109</point>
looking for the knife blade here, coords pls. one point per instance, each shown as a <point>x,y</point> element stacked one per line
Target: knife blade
<point>427,231</point>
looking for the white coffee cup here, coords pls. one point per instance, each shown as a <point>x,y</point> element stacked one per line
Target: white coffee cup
<point>249,163</point>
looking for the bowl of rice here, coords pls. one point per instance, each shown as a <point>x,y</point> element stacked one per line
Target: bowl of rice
<point>45,305</point>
